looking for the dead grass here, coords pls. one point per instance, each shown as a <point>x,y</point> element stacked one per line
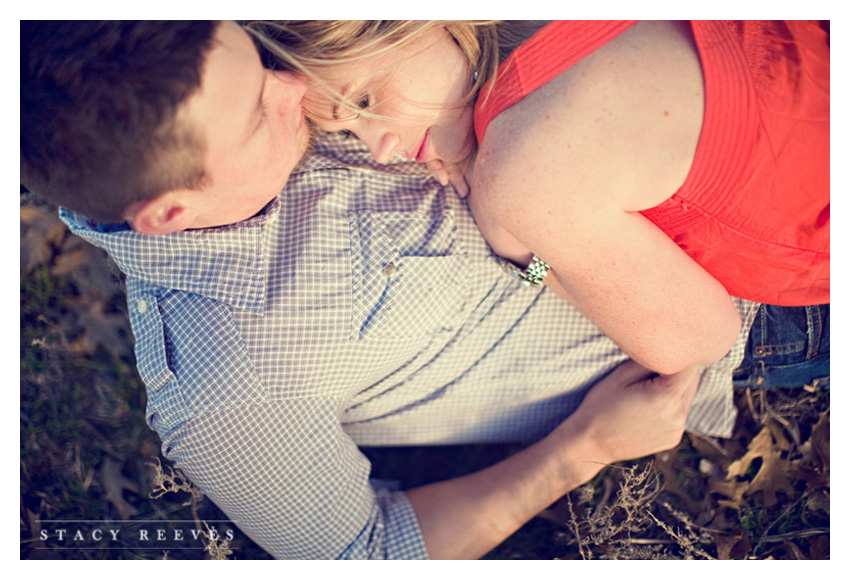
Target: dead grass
<point>763,494</point>
<point>86,451</point>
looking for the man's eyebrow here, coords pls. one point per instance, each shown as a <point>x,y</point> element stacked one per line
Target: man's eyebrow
<point>257,112</point>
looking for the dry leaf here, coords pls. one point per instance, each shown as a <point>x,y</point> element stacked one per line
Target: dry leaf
<point>666,464</point>
<point>41,230</point>
<point>87,266</point>
<point>819,547</point>
<point>34,523</point>
<point>818,501</point>
<point>114,483</point>
<point>760,446</point>
<point>772,476</point>
<point>732,547</point>
<point>813,465</point>
<point>101,328</point>
<point>69,261</point>
<point>820,439</point>
<point>721,523</point>
<point>707,446</point>
<point>778,427</point>
<point>789,426</point>
<point>793,550</point>
<point>771,479</point>
<point>734,490</point>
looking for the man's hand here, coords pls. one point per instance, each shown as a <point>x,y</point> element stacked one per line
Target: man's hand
<point>633,412</point>
<point>630,413</point>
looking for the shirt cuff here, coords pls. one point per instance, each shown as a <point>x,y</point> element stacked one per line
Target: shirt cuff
<point>393,531</point>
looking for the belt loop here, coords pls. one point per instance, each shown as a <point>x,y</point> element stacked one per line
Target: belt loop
<point>813,332</point>
<point>761,374</point>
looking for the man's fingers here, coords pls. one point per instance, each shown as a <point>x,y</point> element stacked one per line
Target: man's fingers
<point>685,383</point>
<point>679,388</point>
<point>629,373</point>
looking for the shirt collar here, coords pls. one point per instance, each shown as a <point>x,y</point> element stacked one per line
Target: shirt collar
<point>225,263</point>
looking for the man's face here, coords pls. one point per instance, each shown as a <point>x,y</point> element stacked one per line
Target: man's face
<point>252,125</point>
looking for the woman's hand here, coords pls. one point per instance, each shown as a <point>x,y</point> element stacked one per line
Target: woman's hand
<point>453,173</point>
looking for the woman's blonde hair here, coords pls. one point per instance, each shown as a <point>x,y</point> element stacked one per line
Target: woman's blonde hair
<point>308,46</point>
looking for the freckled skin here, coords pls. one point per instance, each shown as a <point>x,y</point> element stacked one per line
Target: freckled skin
<point>576,207</point>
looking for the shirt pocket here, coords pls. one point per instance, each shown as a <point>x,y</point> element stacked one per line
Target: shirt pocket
<point>191,357</point>
<point>166,409</point>
<point>409,273</point>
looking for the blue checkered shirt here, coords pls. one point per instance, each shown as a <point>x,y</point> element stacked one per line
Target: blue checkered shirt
<point>361,307</point>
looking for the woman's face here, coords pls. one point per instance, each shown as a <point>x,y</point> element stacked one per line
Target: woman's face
<point>416,93</point>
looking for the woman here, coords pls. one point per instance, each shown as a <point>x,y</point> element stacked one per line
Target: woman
<point>656,167</point>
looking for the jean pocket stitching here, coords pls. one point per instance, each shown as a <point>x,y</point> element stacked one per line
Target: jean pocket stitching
<point>787,348</point>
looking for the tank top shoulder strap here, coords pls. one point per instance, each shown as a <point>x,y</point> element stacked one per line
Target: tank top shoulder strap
<point>549,52</point>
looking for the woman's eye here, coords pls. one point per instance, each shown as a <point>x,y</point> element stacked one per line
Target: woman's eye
<point>364,102</point>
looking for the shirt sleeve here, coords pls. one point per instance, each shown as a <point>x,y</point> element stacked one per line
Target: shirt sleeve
<point>278,464</point>
<point>287,475</point>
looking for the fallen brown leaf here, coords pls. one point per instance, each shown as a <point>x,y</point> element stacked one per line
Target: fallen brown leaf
<point>819,547</point>
<point>773,474</point>
<point>114,483</point>
<point>41,230</point>
<point>103,328</point>
<point>734,547</point>
<point>666,464</point>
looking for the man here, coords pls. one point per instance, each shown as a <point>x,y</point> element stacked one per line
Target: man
<point>361,306</point>
<point>186,167</point>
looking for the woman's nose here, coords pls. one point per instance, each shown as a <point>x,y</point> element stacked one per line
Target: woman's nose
<point>382,146</point>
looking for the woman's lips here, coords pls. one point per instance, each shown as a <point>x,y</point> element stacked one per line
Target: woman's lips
<point>420,153</point>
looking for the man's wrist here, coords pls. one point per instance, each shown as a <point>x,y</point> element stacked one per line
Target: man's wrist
<point>580,457</point>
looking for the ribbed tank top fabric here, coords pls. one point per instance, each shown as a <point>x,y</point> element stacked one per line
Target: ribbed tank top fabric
<point>552,50</point>
<point>754,208</point>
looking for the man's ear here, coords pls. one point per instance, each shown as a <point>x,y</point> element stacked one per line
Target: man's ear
<point>165,214</point>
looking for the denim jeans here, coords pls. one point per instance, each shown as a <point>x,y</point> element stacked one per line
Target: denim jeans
<point>788,347</point>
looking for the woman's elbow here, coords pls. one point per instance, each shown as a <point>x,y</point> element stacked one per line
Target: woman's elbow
<point>702,347</point>
<point>725,336</point>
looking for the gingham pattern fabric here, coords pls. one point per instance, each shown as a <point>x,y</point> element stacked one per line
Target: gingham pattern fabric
<point>362,307</point>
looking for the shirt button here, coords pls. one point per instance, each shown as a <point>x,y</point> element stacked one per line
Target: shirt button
<point>390,270</point>
<point>142,306</point>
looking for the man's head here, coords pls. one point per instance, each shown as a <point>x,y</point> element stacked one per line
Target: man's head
<point>170,125</point>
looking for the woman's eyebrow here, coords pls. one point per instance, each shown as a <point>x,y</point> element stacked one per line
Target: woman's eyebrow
<point>346,90</point>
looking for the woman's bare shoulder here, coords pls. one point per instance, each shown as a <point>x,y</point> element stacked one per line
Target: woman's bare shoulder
<point>623,122</point>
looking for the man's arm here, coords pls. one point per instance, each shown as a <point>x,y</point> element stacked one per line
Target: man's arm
<point>624,416</point>
<point>301,488</point>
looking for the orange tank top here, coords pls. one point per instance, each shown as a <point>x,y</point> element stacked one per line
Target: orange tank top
<point>754,208</point>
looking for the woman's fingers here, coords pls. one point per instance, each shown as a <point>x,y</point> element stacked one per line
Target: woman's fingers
<point>438,171</point>
<point>446,173</point>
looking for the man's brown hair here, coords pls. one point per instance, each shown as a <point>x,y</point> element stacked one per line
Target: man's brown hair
<point>99,104</point>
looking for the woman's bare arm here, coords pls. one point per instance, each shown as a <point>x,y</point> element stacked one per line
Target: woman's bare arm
<point>563,173</point>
